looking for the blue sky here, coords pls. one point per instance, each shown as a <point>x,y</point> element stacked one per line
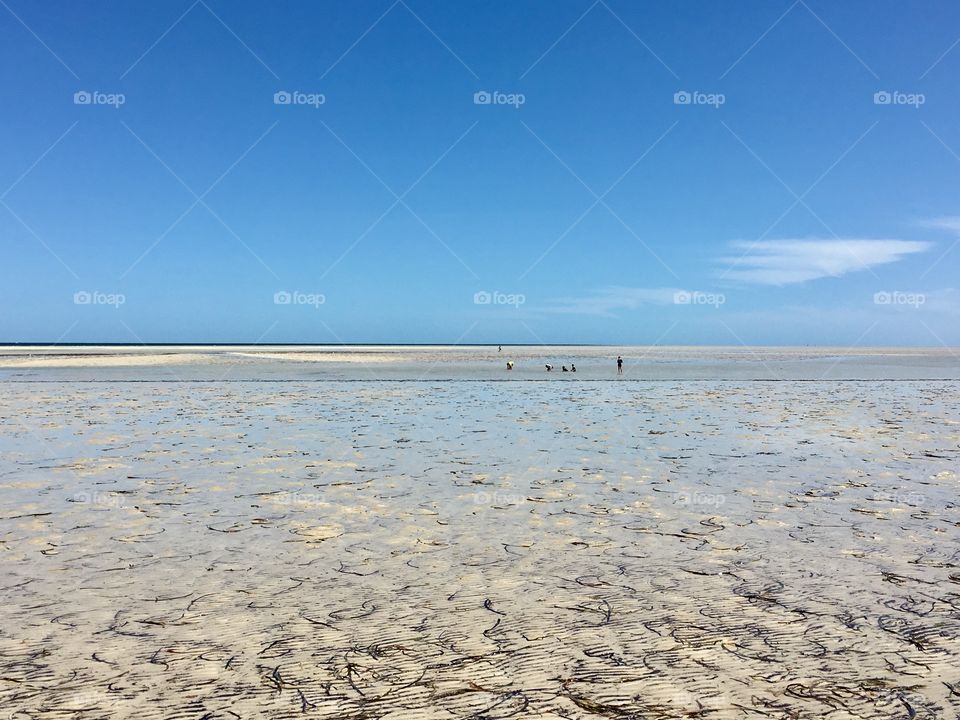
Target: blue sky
<point>565,171</point>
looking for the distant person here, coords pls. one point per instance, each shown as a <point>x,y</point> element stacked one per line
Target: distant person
<point>509,364</point>
<point>564,368</point>
<point>619,365</point>
<point>549,367</point>
<point>499,348</point>
<point>573,368</point>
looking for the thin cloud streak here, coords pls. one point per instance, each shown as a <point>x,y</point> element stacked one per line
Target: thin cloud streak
<point>790,261</point>
<point>604,302</point>
<point>950,223</point>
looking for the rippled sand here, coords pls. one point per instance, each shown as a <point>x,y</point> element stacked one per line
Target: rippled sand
<point>330,549</point>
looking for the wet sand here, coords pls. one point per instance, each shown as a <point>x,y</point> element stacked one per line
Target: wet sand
<point>434,362</point>
<point>378,548</point>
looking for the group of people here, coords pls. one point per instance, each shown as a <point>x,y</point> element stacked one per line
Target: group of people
<point>564,368</point>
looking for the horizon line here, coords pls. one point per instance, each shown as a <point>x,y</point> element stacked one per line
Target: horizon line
<point>45,344</point>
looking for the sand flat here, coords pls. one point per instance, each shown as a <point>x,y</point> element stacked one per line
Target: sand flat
<point>461,548</point>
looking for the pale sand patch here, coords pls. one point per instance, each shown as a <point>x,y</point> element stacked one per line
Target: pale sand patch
<point>330,356</point>
<point>105,361</point>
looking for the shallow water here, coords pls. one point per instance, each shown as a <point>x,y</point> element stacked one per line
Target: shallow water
<point>425,363</point>
<point>714,549</point>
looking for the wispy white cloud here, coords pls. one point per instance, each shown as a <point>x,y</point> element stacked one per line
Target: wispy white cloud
<point>606,301</point>
<point>950,223</point>
<point>783,262</point>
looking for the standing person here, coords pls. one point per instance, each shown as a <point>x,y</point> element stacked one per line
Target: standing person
<point>619,365</point>
<point>499,348</point>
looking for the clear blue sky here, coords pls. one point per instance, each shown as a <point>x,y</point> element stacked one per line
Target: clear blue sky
<point>784,202</point>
